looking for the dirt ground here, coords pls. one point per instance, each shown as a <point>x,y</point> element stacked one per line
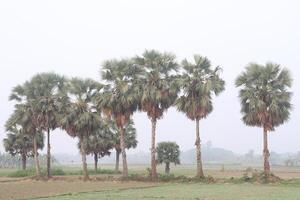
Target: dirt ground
<point>25,189</point>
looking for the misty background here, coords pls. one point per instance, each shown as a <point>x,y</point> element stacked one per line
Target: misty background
<point>73,38</point>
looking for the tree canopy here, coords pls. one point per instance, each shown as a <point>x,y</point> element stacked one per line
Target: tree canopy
<point>264,95</point>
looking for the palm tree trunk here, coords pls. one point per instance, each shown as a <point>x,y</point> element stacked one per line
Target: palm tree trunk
<point>96,162</point>
<point>36,158</point>
<point>200,173</point>
<point>266,153</point>
<point>153,151</point>
<point>167,169</point>
<point>117,160</point>
<point>48,153</point>
<point>23,161</point>
<point>84,164</point>
<point>122,143</point>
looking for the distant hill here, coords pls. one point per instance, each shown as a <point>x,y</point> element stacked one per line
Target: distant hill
<point>210,155</point>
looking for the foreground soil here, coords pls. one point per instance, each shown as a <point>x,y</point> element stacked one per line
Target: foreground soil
<point>28,188</point>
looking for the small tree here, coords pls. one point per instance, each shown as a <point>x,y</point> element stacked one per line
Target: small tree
<point>21,144</point>
<point>168,152</point>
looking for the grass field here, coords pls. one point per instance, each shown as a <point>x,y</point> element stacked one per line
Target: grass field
<point>72,187</point>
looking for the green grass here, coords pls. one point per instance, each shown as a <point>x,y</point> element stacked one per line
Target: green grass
<point>31,172</point>
<point>174,186</point>
<point>195,191</point>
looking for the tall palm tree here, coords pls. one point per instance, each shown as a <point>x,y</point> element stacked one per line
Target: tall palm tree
<point>120,97</point>
<point>265,99</point>
<point>20,143</point>
<point>44,93</point>
<point>47,90</point>
<point>158,90</point>
<point>81,118</point>
<point>199,82</point>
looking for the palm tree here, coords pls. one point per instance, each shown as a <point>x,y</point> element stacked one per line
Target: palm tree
<point>47,90</point>
<point>81,119</point>
<point>98,144</point>
<point>45,95</point>
<point>130,139</point>
<point>18,142</point>
<point>158,90</point>
<point>120,98</point>
<point>265,99</point>
<point>23,120</point>
<point>25,116</point>
<point>199,82</point>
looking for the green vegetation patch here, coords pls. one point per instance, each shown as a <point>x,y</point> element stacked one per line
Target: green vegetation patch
<point>31,172</point>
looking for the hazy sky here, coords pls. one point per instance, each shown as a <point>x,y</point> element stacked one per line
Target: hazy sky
<point>73,38</point>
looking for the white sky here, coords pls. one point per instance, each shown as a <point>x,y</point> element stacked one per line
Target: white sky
<point>74,37</point>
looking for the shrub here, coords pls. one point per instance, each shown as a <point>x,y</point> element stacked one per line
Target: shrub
<point>166,177</point>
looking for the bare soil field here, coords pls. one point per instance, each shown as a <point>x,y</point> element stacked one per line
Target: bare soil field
<point>26,189</point>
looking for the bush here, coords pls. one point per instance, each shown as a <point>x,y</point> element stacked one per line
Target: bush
<point>166,177</point>
<point>259,177</point>
<point>92,172</point>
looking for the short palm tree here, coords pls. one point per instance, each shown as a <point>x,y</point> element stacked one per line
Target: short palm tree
<point>158,91</point>
<point>20,143</point>
<point>265,99</point>
<point>81,118</point>
<point>23,120</point>
<point>98,143</point>
<point>120,97</point>
<point>25,116</point>
<point>130,139</point>
<point>199,82</point>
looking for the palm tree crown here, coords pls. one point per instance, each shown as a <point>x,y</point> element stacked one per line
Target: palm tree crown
<point>81,118</point>
<point>120,96</point>
<point>158,89</point>
<point>264,94</point>
<point>199,82</point>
